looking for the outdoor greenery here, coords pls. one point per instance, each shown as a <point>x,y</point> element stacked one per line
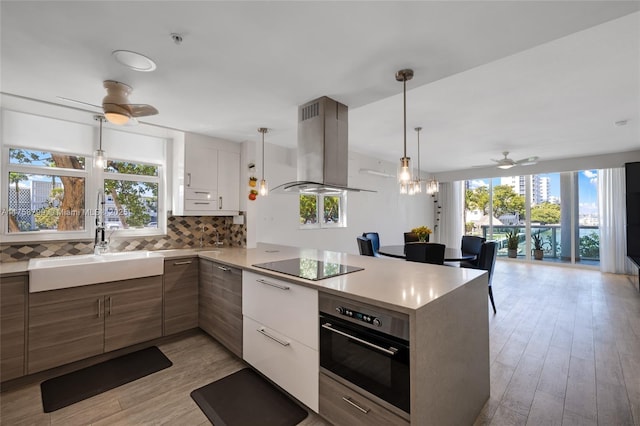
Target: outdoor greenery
<point>513,239</point>
<point>308,209</point>
<point>133,199</point>
<point>505,200</point>
<point>590,245</point>
<point>547,213</point>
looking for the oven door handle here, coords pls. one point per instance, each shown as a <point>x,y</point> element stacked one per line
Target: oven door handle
<point>391,351</point>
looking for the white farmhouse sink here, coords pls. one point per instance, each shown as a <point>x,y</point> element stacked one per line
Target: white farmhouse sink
<point>73,271</point>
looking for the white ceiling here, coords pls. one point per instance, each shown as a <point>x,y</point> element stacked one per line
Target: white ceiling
<point>534,78</point>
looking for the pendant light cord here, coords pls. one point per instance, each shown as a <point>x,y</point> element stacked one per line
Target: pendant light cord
<point>418,130</point>
<point>263,131</point>
<point>100,133</point>
<point>404,91</point>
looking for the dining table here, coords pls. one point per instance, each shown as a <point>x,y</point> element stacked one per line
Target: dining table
<point>451,254</point>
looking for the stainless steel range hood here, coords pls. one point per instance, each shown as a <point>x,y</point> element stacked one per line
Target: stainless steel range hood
<point>323,157</point>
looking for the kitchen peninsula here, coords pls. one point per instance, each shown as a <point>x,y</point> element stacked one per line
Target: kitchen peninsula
<point>448,323</point>
<point>447,336</point>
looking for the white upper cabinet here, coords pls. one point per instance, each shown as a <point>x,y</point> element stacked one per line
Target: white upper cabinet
<point>206,176</point>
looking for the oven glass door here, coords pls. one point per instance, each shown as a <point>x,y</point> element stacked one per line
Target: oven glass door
<point>376,363</point>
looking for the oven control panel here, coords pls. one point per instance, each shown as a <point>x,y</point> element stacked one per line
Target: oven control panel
<point>359,316</point>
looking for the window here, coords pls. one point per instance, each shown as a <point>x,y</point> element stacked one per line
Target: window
<point>46,191</point>
<point>131,195</point>
<point>559,209</point>
<point>322,211</point>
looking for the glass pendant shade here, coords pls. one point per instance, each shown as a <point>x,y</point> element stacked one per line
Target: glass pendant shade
<point>99,156</point>
<point>100,159</point>
<point>264,188</point>
<point>404,172</point>
<point>433,186</point>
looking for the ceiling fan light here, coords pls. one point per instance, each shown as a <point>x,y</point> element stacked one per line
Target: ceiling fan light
<point>116,118</point>
<point>505,166</point>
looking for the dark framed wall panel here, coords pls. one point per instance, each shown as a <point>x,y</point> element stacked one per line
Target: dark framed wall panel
<point>632,177</point>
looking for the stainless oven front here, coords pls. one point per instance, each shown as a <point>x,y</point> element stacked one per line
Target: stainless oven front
<point>367,347</point>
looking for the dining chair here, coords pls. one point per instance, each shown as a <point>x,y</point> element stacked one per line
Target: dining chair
<point>375,240</point>
<point>365,246</point>
<point>471,244</point>
<point>486,262</point>
<point>425,252</point>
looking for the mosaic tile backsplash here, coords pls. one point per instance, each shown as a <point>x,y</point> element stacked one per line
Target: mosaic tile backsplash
<point>183,232</point>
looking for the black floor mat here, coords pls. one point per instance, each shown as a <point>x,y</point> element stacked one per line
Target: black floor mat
<point>246,399</point>
<point>73,387</point>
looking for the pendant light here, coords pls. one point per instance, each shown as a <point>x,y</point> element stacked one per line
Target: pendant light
<point>404,173</point>
<point>264,188</point>
<point>99,156</point>
<point>417,182</point>
<point>433,186</point>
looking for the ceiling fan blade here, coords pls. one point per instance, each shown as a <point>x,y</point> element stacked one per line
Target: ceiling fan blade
<point>528,161</point>
<point>140,110</point>
<point>79,102</point>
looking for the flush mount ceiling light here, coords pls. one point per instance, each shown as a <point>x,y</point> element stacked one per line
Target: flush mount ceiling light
<point>264,187</point>
<point>99,156</point>
<point>134,61</point>
<point>404,172</point>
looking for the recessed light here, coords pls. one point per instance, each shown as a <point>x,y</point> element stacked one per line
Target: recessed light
<point>133,60</point>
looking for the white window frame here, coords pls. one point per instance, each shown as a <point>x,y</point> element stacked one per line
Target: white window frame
<point>159,179</point>
<point>320,212</point>
<point>45,235</point>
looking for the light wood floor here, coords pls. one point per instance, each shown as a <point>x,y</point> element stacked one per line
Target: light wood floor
<point>565,350</point>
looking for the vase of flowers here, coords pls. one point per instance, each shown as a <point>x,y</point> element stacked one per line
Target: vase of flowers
<point>422,232</point>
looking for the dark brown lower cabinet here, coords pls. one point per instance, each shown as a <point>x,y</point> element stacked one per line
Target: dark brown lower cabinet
<point>180,294</point>
<point>71,324</point>
<point>13,290</point>
<point>220,304</point>
<point>342,405</point>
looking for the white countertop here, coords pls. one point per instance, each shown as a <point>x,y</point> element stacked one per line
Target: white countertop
<point>392,283</point>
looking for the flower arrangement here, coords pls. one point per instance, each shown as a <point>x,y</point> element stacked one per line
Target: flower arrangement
<point>422,232</point>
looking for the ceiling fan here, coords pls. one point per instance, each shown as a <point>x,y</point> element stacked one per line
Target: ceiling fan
<point>116,106</point>
<point>507,163</point>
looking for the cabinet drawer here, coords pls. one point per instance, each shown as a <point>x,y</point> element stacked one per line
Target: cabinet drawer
<point>289,308</point>
<point>290,364</point>
<point>208,205</point>
<point>199,194</point>
<point>344,406</point>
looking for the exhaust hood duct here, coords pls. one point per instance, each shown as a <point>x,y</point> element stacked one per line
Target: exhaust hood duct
<point>323,157</point>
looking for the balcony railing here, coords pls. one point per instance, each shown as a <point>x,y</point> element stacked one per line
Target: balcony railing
<point>588,241</point>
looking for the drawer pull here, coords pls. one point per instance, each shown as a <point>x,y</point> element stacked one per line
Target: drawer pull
<point>224,268</point>
<point>348,400</point>
<point>220,203</point>
<point>201,203</point>
<point>275,339</point>
<point>281,287</point>
<point>184,262</point>
<point>391,351</point>
<point>201,192</point>
<point>189,177</point>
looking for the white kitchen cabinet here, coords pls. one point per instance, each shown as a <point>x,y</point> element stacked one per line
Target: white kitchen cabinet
<point>280,334</point>
<point>206,176</point>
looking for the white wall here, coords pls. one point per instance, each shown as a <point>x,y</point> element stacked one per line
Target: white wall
<point>276,217</point>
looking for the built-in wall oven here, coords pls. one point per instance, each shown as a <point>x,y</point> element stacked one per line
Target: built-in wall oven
<point>367,347</point>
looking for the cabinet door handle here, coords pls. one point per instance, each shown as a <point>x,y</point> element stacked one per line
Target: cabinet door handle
<point>99,307</point>
<point>224,268</point>
<point>275,339</point>
<point>110,304</point>
<point>220,203</point>
<point>184,262</point>
<point>281,287</point>
<point>348,400</point>
<point>189,179</point>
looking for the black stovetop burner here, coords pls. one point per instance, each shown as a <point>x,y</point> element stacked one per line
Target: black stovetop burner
<point>310,269</point>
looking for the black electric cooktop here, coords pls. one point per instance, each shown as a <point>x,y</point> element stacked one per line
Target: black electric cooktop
<point>309,269</point>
